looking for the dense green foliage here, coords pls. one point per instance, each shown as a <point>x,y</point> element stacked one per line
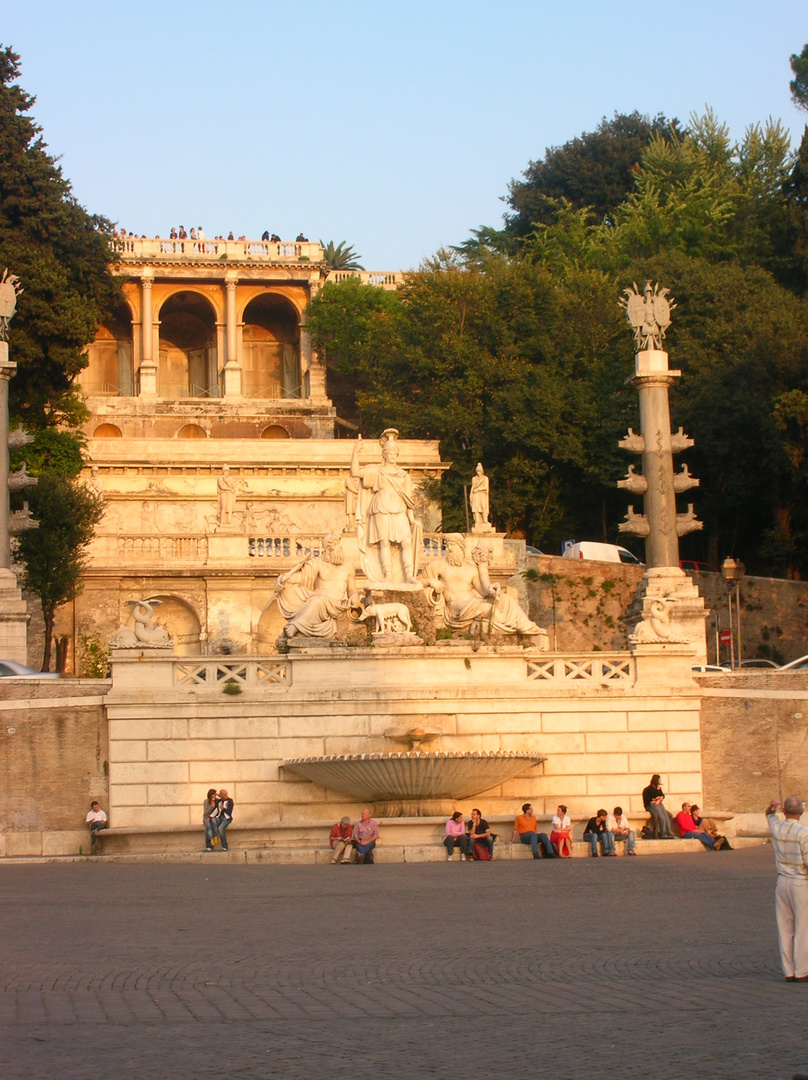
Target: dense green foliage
<point>513,351</point>
<point>60,255</point>
<point>53,554</point>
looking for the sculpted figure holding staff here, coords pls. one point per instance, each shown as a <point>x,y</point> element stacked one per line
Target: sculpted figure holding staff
<point>389,536</point>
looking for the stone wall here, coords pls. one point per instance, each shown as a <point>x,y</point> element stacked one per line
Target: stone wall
<point>580,603</point>
<point>53,762</point>
<point>602,732</point>
<point>754,740</point>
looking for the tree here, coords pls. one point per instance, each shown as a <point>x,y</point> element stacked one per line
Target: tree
<point>59,252</point>
<point>53,556</point>
<point>799,84</point>
<point>340,257</point>
<point>595,170</point>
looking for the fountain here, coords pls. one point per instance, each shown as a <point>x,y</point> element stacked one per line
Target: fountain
<point>413,783</point>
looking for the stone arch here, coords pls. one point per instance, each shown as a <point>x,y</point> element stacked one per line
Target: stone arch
<point>275,431</point>
<point>107,431</point>
<point>270,348</point>
<point>181,622</point>
<point>192,431</point>
<point>187,365</point>
<point>109,371</point>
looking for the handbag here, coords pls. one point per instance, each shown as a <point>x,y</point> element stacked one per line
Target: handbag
<point>481,851</point>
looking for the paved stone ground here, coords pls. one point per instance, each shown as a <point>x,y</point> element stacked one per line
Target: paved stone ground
<point>655,967</point>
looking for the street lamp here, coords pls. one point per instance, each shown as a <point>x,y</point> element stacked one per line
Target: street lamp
<point>733,570</point>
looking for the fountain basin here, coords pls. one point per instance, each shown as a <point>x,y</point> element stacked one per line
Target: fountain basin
<point>416,783</point>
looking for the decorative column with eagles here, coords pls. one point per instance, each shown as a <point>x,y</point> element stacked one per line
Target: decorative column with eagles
<point>670,608</point>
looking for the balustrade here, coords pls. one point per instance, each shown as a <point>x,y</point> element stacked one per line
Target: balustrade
<point>137,247</point>
<point>193,548</point>
<point>215,674</point>
<point>602,670</point>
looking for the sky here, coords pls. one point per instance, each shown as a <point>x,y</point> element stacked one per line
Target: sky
<point>394,127</point>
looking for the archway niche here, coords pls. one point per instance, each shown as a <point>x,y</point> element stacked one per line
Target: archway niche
<point>270,349</point>
<point>275,431</point>
<point>187,365</point>
<point>109,371</point>
<point>107,431</point>
<point>181,622</point>
<point>191,431</point>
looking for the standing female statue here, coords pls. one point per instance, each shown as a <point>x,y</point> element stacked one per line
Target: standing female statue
<point>385,515</point>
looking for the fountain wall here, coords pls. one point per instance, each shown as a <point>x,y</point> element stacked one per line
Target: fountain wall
<point>604,722</point>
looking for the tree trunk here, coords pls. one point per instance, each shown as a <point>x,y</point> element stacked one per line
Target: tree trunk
<point>48,613</point>
<point>61,653</point>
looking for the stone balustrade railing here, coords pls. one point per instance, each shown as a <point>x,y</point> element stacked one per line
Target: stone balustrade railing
<point>601,669</point>
<point>192,548</point>
<point>135,248</point>
<point>140,248</point>
<point>606,671</point>
<point>217,673</point>
<point>382,279</point>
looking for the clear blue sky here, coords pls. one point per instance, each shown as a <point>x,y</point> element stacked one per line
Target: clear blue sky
<point>395,127</point>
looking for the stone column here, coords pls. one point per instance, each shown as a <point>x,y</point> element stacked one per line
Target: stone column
<point>232,367</point>
<point>148,367</point>
<point>7,369</point>
<point>652,380</point>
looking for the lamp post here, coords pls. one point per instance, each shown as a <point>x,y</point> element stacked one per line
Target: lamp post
<point>733,571</point>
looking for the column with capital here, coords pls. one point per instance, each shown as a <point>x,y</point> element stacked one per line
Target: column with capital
<point>232,368</point>
<point>148,366</point>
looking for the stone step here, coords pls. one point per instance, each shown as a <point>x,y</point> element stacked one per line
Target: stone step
<point>307,855</point>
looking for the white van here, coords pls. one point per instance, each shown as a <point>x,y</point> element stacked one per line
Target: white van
<point>588,549</point>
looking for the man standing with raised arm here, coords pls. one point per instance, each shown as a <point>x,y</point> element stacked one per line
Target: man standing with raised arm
<point>790,843</point>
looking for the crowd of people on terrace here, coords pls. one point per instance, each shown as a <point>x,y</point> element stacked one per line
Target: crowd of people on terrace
<point>198,233</point>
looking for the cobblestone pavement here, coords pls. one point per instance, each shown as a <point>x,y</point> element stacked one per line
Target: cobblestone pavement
<point>654,967</point>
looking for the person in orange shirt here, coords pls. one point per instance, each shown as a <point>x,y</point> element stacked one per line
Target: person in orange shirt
<point>526,829</point>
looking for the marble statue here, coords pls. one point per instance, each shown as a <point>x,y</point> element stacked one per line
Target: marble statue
<point>93,483</point>
<point>648,313</point>
<point>146,632</point>
<point>466,593</point>
<point>226,487</point>
<point>9,291</point>
<point>385,518</point>
<point>351,498</point>
<point>478,498</point>
<point>389,618</point>
<point>315,592</point>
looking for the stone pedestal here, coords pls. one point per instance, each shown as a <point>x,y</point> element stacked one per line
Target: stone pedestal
<point>14,619</point>
<point>668,610</point>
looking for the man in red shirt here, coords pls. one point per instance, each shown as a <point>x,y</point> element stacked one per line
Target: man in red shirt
<point>688,830</point>
<point>340,841</point>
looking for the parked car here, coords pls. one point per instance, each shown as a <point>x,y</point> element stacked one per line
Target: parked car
<point>589,549</point>
<point>696,567</point>
<point>800,664</point>
<point>759,662</point>
<point>709,669</point>
<point>530,550</point>
<point>10,669</point>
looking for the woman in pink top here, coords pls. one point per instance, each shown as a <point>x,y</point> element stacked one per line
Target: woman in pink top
<point>455,836</point>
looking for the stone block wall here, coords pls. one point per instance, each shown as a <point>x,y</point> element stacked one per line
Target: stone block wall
<point>53,762</point>
<point>601,744</point>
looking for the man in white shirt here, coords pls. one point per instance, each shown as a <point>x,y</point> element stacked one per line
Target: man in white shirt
<point>617,823</point>
<point>97,820</point>
<point>790,843</point>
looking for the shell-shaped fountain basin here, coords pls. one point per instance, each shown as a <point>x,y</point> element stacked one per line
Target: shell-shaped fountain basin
<point>408,778</point>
